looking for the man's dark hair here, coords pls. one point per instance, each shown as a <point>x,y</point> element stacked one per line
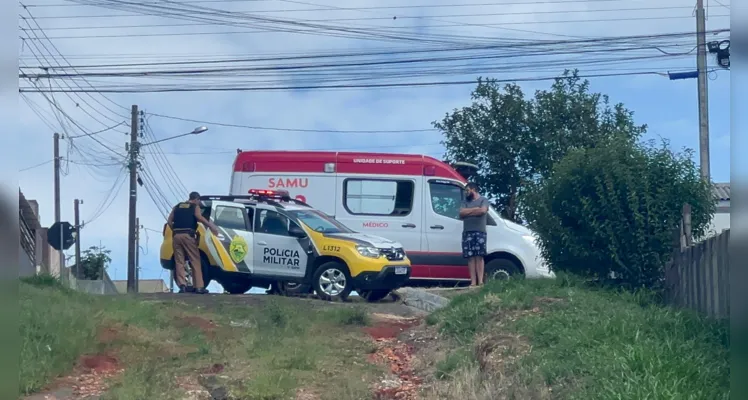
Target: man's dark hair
<point>472,186</point>
<point>194,196</point>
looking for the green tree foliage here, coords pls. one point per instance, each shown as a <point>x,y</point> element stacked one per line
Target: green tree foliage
<point>516,140</point>
<point>94,261</point>
<point>615,207</point>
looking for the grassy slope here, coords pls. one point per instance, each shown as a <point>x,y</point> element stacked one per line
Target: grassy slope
<point>280,348</point>
<point>581,343</point>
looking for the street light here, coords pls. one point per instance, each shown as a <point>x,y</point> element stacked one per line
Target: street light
<point>196,131</point>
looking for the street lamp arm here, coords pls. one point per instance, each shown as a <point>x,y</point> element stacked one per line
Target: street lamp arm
<point>195,131</point>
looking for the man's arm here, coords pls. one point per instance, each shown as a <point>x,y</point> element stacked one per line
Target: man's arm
<point>207,223</point>
<point>170,220</point>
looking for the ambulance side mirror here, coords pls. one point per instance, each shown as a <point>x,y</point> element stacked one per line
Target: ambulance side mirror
<point>296,231</point>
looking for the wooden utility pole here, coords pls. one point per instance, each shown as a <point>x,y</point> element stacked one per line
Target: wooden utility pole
<point>76,206</point>
<point>133,150</point>
<point>701,51</point>
<point>58,216</point>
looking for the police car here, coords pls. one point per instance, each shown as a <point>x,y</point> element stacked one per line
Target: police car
<point>267,239</point>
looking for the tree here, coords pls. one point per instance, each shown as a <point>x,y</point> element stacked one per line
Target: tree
<point>94,261</point>
<point>615,207</point>
<point>515,141</point>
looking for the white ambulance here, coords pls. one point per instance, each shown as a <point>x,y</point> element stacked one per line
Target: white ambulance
<point>412,199</point>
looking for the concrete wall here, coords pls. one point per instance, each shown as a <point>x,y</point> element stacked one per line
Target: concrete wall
<point>105,286</point>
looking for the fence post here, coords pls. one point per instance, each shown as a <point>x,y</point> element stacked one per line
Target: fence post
<point>686,240</point>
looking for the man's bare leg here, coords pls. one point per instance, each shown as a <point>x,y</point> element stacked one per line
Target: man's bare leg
<point>471,268</point>
<point>480,269</point>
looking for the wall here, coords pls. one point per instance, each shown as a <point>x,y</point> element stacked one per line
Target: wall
<point>719,223</point>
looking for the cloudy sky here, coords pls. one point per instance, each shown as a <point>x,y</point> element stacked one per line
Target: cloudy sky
<point>100,32</point>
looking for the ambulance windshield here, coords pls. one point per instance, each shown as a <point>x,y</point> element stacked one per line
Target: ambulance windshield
<point>320,222</point>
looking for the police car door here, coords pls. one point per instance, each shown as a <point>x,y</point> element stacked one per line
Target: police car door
<point>277,253</point>
<point>233,245</point>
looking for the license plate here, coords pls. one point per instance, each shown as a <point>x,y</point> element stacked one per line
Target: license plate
<point>401,270</point>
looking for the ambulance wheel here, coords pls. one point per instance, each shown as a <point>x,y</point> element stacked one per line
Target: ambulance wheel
<point>293,288</point>
<point>500,269</point>
<point>373,296</point>
<point>332,281</point>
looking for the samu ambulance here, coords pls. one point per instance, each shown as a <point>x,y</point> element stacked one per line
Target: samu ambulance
<point>411,199</point>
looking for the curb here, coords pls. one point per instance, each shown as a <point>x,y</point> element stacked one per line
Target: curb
<point>421,299</point>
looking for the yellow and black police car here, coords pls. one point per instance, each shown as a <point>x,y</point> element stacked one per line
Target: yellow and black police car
<point>268,240</point>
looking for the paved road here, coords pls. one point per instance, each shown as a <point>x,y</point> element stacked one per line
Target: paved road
<point>384,307</point>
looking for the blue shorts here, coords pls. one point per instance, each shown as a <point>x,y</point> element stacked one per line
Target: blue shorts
<point>473,244</point>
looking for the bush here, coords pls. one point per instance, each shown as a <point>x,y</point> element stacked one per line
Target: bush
<point>614,208</point>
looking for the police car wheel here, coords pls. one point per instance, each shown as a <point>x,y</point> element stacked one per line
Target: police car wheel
<point>293,288</point>
<point>237,287</point>
<point>374,295</point>
<point>332,281</point>
<point>500,269</point>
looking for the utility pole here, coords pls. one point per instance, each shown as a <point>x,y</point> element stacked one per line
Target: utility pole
<point>133,150</point>
<point>701,51</point>
<point>137,256</point>
<point>58,216</point>
<point>76,206</point>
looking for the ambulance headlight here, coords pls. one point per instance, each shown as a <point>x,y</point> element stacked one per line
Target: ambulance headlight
<point>368,251</point>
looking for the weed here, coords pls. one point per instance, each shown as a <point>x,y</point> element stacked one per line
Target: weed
<point>349,316</point>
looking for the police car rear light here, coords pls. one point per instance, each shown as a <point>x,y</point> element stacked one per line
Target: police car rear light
<point>269,193</point>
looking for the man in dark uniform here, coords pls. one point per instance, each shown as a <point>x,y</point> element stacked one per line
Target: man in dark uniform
<point>473,214</point>
<point>183,223</point>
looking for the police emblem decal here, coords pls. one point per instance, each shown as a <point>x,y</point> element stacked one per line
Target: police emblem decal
<point>238,249</point>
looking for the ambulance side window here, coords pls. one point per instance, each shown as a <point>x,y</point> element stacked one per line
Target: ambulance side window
<point>378,196</point>
<point>271,222</point>
<point>231,218</point>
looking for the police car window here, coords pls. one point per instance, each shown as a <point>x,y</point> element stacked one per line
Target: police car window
<point>271,222</point>
<point>230,218</point>
<point>379,197</point>
<point>320,222</point>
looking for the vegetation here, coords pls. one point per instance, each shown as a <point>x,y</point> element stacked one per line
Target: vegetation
<point>283,345</point>
<point>562,339</point>
<point>94,261</point>
<point>615,207</point>
<point>516,140</point>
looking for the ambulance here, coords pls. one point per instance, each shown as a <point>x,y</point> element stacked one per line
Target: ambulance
<point>411,199</point>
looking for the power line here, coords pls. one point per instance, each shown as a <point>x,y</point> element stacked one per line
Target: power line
<point>535,2</point>
<point>265,128</point>
<point>35,166</point>
<point>406,17</point>
<point>133,35</point>
<point>325,87</point>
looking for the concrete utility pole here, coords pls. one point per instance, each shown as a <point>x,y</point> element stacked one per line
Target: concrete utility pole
<point>58,216</point>
<point>76,206</point>
<point>137,256</point>
<point>134,150</point>
<point>703,90</point>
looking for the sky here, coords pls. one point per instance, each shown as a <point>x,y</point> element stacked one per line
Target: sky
<point>94,169</point>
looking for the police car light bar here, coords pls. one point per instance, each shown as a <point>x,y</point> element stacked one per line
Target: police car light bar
<point>269,193</point>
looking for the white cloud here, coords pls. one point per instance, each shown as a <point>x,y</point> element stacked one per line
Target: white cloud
<point>385,109</point>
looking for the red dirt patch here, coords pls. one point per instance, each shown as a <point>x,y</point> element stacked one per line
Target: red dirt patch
<point>99,363</point>
<point>402,384</point>
<point>389,329</point>
<point>206,326</point>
